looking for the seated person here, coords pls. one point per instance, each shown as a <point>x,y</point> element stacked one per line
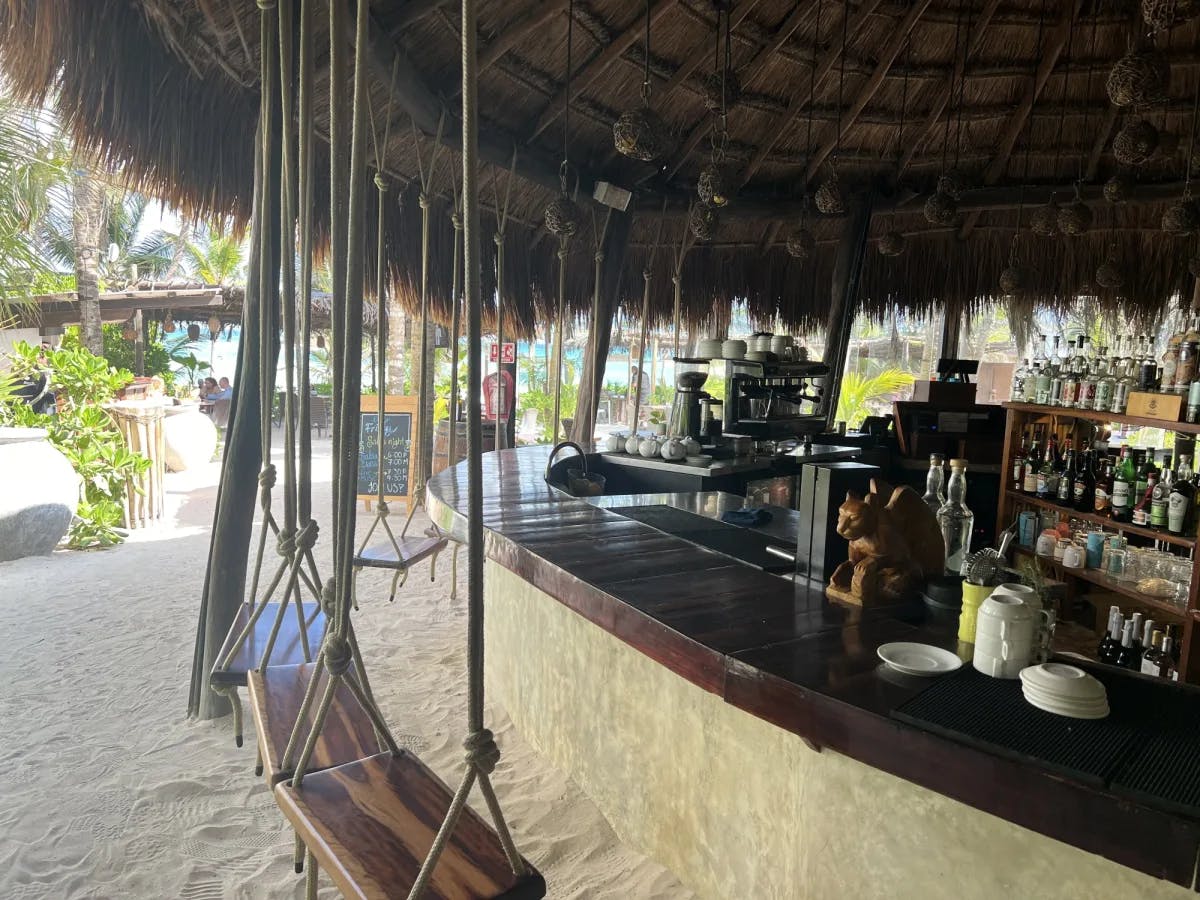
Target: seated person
<point>223,391</point>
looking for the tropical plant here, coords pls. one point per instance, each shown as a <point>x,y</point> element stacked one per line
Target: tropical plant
<point>862,396</point>
<point>123,216</point>
<point>166,356</point>
<point>33,173</point>
<point>219,256</point>
<point>84,432</point>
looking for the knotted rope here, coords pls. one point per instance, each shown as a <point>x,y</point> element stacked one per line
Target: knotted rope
<point>498,239</point>
<point>647,275</point>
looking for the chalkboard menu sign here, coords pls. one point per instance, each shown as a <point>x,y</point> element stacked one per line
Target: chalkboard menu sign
<point>399,433</point>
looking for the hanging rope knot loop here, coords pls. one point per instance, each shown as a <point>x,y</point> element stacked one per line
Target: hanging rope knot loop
<point>306,537</point>
<point>599,256</point>
<point>266,483</point>
<point>381,182</point>
<point>329,598</point>
<point>675,279</point>
<point>423,200</point>
<point>482,752</point>
<point>382,508</point>
<point>287,544</point>
<point>646,274</point>
<point>498,238</point>
<point>337,654</point>
<point>456,221</point>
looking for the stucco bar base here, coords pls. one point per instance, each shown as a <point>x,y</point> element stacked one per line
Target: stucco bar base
<point>738,808</point>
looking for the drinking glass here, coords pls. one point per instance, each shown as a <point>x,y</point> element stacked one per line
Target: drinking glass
<point>1181,575</point>
<point>1116,564</point>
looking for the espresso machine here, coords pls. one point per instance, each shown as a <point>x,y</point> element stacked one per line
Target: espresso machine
<point>772,400</point>
<point>687,412</point>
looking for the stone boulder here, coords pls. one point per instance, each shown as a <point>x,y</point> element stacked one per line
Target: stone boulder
<point>39,491</point>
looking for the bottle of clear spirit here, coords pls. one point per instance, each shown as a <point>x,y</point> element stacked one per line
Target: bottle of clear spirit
<point>935,496</point>
<point>956,520</point>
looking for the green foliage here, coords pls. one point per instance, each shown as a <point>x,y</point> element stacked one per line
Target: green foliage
<point>84,432</point>
<point>164,356</point>
<point>220,257</point>
<point>543,401</point>
<point>863,396</point>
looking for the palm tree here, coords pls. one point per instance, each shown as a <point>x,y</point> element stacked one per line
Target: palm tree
<point>218,258</point>
<point>33,172</point>
<point>860,394</point>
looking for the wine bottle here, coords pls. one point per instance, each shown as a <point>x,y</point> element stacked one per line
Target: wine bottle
<point>1033,465</point>
<point>1124,477</point>
<point>1181,498</point>
<point>1104,489</point>
<point>1084,490</point>
<point>1066,477</point>
<point>1152,658</point>
<point>1160,495</point>
<point>1110,642</point>
<point>1127,657</point>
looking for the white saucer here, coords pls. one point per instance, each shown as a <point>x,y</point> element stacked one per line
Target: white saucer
<point>1070,712</point>
<point>1032,694</point>
<point>918,659</point>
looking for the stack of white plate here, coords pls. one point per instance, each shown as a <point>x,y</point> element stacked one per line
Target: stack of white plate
<point>780,343</point>
<point>733,349</point>
<point>709,348</point>
<point>1065,691</point>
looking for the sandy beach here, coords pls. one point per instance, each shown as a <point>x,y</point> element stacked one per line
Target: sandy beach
<point>110,792</point>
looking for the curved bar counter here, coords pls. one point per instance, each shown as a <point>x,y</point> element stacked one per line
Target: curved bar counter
<point>733,726</point>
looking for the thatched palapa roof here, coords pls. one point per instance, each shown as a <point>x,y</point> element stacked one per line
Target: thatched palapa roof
<point>1012,93</point>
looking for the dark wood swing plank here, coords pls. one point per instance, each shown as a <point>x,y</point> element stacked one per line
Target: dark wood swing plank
<point>288,649</point>
<point>370,824</point>
<point>276,694</point>
<point>412,551</point>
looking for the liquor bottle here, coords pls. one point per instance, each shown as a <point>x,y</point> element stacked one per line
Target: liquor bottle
<point>1044,380</point>
<point>1124,477</point>
<point>956,520</point>
<point>1126,383</point>
<point>1066,477</point>
<point>1018,462</point>
<point>1069,376</point>
<point>1152,657</point>
<point>1110,642</point>
<point>1181,498</point>
<point>1170,360</point>
<point>1127,657</point>
<point>1089,381</point>
<point>1145,468</point>
<point>1104,488</point>
<point>1057,374</point>
<point>1148,367</point>
<point>1137,619</point>
<point>1161,494</point>
<point>1170,651</point>
<point>1033,465</point>
<point>1144,504</point>
<point>1020,373</point>
<point>934,495</point>
<point>1084,490</point>
<point>1106,383</point>
<point>1047,479</point>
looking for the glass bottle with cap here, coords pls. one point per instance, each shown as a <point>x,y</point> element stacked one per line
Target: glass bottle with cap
<point>956,519</point>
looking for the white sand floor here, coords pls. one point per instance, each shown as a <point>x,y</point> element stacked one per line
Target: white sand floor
<point>108,791</point>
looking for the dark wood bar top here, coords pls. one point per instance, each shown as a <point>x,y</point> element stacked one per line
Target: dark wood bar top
<point>781,651</point>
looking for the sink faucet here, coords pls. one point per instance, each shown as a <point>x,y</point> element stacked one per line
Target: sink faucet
<point>559,446</point>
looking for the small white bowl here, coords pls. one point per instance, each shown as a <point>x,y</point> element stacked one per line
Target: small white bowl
<point>702,459</point>
<point>1068,683</point>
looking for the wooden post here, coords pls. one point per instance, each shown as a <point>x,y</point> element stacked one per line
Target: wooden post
<point>847,268</point>
<point>139,344</point>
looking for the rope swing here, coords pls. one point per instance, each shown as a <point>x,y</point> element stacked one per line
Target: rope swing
<point>293,543</point>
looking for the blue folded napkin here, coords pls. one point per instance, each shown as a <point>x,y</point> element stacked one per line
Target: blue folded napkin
<point>747,518</point>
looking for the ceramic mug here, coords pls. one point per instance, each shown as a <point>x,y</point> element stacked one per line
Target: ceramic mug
<point>1009,632</point>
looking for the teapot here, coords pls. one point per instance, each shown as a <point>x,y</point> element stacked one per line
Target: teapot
<point>615,443</point>
<point>631,444</point>
<point>691,447</point>
<point>673,449</point>
<point>649,447</point>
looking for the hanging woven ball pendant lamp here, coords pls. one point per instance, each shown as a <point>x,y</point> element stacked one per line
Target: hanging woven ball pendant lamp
<point>1138,78</point>
<point>1109,274</point>
<point>716,184</point>
<point>1043,221</point>
<point>1163,14</point>
<point>892,243</point>
<point>563,215</point>
<point>1076,217</point>
<point>703,221</point>
<point>1118,188</point>
<point>1135,142</point>
<point>640,133</point>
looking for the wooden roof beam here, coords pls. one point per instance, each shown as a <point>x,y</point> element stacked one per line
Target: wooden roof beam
<point>698,56</point>
<point>598,64</point>
<point>415,10</point>
<point>1008,140</point>
<point>974,42</point>
<point>536,17</point>
<point>775,130</point>
<point>415,97</point>
<point>894,45</point>
<point>748,72</point>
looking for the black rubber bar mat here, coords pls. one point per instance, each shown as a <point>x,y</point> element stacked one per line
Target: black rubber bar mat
<point>732,540</point>
<point>992,714</point>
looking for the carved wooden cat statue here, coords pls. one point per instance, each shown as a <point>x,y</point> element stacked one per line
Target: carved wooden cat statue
<point>895,545</point>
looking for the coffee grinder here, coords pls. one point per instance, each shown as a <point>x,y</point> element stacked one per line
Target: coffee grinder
<point>686,418</point>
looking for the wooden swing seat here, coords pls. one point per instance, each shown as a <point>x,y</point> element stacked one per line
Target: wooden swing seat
<point>411,551</point>
<point>276,694</point>
<point>288,649</point>
<point>370,823</point>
